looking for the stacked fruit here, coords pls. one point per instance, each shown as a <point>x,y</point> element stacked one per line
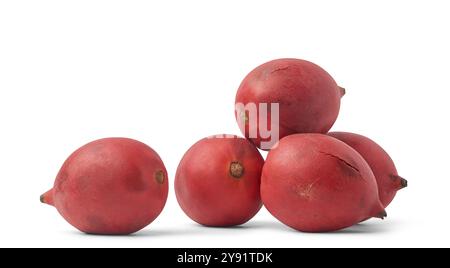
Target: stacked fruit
<point>312,180</point>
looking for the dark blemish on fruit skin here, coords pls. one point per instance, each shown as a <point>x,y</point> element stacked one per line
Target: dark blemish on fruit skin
<point>95,223</point>
<point>347,167</point>
<point>280,69</point>
<point>266,72</point>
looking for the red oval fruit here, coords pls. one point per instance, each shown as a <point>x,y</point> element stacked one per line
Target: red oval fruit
<point>315,183</point>
<point>388,180</point>
<point>110,186</point>
<point>217,181</point>
<point>308,98</point>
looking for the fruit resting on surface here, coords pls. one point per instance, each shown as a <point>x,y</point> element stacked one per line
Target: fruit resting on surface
<point>316,183</point>
<point>217,181</point>
<point>110,186</point>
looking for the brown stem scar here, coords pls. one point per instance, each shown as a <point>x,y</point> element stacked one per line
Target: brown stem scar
<point>236,169</point>
<point>159,176</point>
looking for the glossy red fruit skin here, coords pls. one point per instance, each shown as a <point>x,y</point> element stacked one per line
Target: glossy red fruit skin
<point>315,183</point>
<point>206,189</point>
<point>388,180</point>
<point>308,97</point>
<point>112,186</point>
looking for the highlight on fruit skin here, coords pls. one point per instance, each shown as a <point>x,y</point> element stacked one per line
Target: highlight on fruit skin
<point>308,99</point>
<point>316,183</point>
<point>382,165</point>
<point>112,186</point>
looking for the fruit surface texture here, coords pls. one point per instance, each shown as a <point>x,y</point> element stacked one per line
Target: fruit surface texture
<point>308,99</point>
<point>388,180</point>
<point>112,186</point>
<point>316,183</point>
<point>218,180</point>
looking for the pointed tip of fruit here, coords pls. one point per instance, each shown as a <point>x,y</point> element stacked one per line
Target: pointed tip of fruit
<point>403,183</point>
<point>399,182</point>
<point>47,197</point>
<point>381,215</point>
<point>342,90</point>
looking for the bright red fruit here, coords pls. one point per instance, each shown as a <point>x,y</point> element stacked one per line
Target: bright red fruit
<point>308,98</point>
<point>217,181</point>
<point>316,183</point>
<point>110,186</point>
<point>388,180</point>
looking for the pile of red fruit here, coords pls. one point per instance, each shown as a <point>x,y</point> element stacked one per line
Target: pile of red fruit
<point>312,180</point>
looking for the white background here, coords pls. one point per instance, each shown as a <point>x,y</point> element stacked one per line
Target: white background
<point>166,73</point>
